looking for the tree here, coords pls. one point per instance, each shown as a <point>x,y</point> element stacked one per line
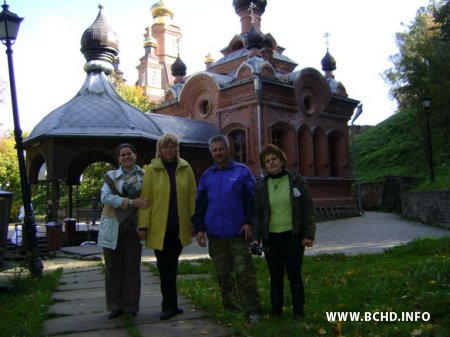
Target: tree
<point>422,67</point>
<point>133,95</point>
<point>9,168</point>
<point>93,180</point>
<point>9,171</point>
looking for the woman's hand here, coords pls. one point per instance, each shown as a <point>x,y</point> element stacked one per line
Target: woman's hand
<point>307,242</point>
<point>142,233</point>
<point>141,203</point>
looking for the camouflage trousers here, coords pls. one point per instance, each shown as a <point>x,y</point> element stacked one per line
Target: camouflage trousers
<point>236,274</point>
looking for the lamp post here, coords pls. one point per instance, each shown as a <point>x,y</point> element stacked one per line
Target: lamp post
<point>9,28</point>
<point>359,110</point>
<point>426,103</point>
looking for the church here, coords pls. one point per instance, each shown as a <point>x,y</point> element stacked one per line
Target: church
<point>255,96</point>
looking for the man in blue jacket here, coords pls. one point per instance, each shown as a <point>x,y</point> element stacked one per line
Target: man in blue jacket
<point>224,211</point>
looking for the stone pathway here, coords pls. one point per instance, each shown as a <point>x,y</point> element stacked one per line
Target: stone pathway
<point>79,310</point>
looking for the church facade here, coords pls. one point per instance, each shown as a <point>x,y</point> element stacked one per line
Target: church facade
<point>254,95</point>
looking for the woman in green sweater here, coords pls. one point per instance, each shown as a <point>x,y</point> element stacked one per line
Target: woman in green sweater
<point>284,222</point>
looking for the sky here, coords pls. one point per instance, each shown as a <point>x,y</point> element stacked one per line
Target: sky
<point>48,63</point>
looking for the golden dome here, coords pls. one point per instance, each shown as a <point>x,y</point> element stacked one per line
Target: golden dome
<point>150,42</point>
<point>159,9</point>
<point>209,59</point>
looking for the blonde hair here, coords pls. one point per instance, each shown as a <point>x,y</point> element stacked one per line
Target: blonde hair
<point>164,140</point>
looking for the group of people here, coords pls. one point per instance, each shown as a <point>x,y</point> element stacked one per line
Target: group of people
<point>229,212</point>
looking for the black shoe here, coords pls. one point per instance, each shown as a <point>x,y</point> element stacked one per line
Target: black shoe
<point>115,313</point>
<point>133,313</point>
<point>298,316</point>
<point>166,314</point>
<point>276,315</point>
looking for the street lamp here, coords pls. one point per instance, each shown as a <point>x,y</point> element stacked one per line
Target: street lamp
<point>9,28</point>
<point>426,103</point>
<point>359,110</point>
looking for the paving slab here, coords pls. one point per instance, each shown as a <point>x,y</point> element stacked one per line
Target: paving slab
<point>98,333</point>
<point>197,327</point>
<point>80,324</point>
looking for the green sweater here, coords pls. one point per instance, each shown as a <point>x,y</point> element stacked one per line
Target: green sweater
<point>280,204</point>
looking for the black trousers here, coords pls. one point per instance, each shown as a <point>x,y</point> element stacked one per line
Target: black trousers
<point>167,263</point>
<point>123,273</point>
<point>285,255</point>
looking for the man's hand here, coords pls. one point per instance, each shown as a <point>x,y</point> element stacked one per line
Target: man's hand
<point>247,229</point>
<point>201,239</point>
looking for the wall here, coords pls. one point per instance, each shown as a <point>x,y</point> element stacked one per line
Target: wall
<point>429,207</point>
<point>371,196</point>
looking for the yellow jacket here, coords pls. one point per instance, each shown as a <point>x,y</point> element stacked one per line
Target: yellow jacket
<point>156,188</point>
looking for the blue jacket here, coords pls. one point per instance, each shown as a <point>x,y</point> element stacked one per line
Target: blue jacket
<point>225,200</point>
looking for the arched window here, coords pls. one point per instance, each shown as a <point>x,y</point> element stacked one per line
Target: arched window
<point>279,138</point>
<point>332,155</point>
<point>238,145</point>
<point>154,78</point>
<point>337,154</point>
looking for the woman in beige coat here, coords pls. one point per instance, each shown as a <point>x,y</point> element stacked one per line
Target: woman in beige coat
<point>170,186</point>
<point>117,235</point>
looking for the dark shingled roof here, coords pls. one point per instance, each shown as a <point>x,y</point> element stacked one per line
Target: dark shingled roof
<point>98,111</point>
<point>188,131</point>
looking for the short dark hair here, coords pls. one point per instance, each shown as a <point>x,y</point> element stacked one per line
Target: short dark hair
<point>219,138</point>
<point>271,149</point>
<point>123,145</point>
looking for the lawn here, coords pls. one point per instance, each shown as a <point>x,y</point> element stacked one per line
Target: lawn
<point>23,309</point>
<point>410,282</point>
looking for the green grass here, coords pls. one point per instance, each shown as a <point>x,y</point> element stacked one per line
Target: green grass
<point>414,277</point>
<point>23,309</point>
<point>397,147</point>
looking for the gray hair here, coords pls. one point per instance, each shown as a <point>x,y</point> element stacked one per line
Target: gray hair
<point>219,138</point>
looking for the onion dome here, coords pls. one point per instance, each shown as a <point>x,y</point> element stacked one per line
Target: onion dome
<point>150,42</point>
<point>159,9</point>
<point>328,62</point>
<point>209,58</point>
<point>254,39</point>
<point>178,68</point>
<point>99,45</point>
<point>238,4</point>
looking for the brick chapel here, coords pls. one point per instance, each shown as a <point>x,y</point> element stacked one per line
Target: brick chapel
<point>255,96</point>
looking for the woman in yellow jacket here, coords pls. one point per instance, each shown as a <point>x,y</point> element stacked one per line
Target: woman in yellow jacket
<point>169,185</point>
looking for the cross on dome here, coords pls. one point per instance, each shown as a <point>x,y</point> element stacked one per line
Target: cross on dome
<point>250,8</point>
<point>327,43</point>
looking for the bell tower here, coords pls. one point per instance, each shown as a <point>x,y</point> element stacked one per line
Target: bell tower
<point>161,41</point>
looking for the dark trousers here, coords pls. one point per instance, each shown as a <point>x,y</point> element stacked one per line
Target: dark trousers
<point>236,274</point>
<point>285,255</point>
<point>167,263</point>
<point>123,273</point>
